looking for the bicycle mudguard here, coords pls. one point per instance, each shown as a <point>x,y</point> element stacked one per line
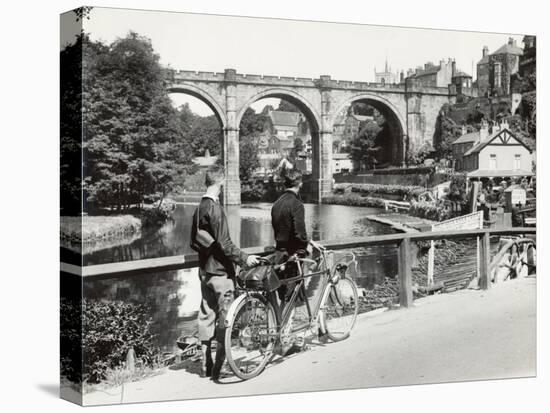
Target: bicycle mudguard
<point>233,307</point>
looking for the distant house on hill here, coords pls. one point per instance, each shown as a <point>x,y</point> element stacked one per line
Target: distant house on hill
<point>494,71</point>
<point>432,75</point>
<point>272,148</point>
<point>341,162</point>
<point>497,154</point>
<point>288,124</point>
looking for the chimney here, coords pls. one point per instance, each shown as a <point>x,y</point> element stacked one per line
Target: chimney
<point>504,124</point>
<point>511,41</point>
<point>453,68</point>
<point>485,51</point>
<point>464,130</point>
<point>484,131</point>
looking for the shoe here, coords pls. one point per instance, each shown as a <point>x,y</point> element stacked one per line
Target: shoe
<point>218,364</point>
<point>322,337</point>
<point>206,372</point>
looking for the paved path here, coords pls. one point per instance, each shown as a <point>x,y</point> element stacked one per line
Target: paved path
<point>466,335</point>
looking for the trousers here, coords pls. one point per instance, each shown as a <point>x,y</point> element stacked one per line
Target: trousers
<point>218,292</point>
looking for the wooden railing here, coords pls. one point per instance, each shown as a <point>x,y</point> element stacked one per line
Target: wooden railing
<point>402,241</point>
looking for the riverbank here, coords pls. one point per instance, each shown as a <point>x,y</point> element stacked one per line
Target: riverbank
<point>83,229</point>
<point>403,222</point>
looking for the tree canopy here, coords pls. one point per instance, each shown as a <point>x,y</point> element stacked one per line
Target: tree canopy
<point>133,151</point>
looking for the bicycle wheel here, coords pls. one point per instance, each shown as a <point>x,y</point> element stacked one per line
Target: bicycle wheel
<point>339,309</point>
<point>250,336</point>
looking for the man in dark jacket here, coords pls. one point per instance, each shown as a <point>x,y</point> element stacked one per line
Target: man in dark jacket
<point>216,271</point>
<point>289,227</point>
<point>288,216</point>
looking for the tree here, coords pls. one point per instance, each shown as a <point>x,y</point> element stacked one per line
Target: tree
<point>363,147</point>
<point>446,132</point>
<point>285,106</point>
<point>71,125</point>
<point>205,134</point>
<point>267,109</point>
<point>133,145</point>
<point>252,124</point>
<point>248,159</point>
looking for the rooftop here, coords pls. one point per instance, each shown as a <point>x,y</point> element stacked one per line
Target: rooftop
<point>468,137</point>
<point>480,145</point>
<point>284,118</point>
<point>508,49</point>
<point>491,173</point>
<point>461,74</point>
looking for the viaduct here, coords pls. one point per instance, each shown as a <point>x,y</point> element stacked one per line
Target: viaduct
<point>410,110</point>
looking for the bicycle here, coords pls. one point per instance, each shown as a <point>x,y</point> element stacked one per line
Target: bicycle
<point>254,327</point>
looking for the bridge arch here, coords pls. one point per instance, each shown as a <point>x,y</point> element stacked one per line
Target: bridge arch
<point>205,97</point>
<point>310,191</point>
<point>311,114</point>
<point>394,117</point>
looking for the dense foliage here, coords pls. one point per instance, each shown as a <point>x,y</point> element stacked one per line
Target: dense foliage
<point>354,200</point>
<point>200,132</point>
<point>363,147</point>
<point>109,330</point>
<point>380,190</point>
<point>435,212</point>
<point>132,140</point>
<point>248,157</point>
<point>71,127</point>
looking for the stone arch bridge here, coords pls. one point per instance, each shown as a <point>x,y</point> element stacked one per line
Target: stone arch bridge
<point>410,110</point>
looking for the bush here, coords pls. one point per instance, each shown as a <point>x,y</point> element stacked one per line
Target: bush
<point>407,191</point>
<point>430,211</point>
<point>353,200</point>
<point>70,340</point>
<point>153,215</point>
<point>109,330</point>
<point>405,171</point>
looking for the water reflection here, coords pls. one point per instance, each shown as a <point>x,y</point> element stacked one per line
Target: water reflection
<point>249,225</point>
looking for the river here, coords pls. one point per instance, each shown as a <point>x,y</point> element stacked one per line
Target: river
<point>173,297</point>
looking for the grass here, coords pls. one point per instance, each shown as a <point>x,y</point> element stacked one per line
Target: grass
<point>95,228</point>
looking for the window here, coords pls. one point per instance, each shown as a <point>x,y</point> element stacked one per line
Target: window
<point>492,161</point>
<point>498,75</point>
<point>517,161</point>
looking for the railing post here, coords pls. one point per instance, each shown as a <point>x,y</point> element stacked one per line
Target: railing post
<point>405,273</point>
<point>484,258</point>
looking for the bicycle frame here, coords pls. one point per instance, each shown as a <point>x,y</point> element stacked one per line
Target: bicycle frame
<point>282,318</point>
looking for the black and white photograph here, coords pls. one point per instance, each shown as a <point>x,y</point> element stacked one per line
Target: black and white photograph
<point>256,206</point>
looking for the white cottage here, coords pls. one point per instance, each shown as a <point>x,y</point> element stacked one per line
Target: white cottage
<point>499,154</point>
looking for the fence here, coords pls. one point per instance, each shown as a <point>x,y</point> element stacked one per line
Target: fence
<point>403,242</point>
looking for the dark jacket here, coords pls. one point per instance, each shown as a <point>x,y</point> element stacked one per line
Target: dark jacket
<point>288,220</point>
<point>220,258</point>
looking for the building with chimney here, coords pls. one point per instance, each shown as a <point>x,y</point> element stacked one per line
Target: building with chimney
<point>495,153</point>
<point>494,71</point>
<point>434,75</point>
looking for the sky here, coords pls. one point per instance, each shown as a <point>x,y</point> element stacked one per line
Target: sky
<point>287,47</point>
